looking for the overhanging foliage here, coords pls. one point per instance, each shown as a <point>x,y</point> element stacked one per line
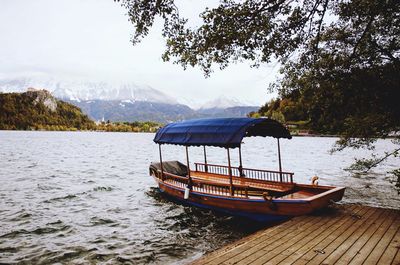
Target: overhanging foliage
<point>339,58</point>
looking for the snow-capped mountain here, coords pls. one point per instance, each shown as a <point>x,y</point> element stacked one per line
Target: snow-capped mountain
<point>223,102</point>
<point>127,102</point>
<point>87,90</point>
<point>226,107</point>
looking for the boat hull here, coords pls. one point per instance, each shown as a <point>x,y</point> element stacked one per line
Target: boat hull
<point>256,209</point>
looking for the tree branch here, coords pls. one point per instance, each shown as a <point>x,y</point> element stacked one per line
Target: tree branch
<point>320,26</point>
<point>377,162</point>
<point>366,29</point>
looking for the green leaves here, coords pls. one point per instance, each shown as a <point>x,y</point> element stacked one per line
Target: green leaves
<point>19,111</point>
<point>252,30</point>
<point>340,59</point>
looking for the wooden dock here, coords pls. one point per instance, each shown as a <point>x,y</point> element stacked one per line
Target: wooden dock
<point>341,234</point>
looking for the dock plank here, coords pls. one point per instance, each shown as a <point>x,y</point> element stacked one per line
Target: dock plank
<point>247,243</point>
<point>270,241</point>
<point>277,255</point>
<point>396,260</point>
<point>273,249</point>
<point>394,245</point>
<point>344,237</point>
<point>344,234</point>
<point>374,233</point>
<point>280,239</point>
<point>384,241</point>
<point>338,234</point>
<point>353,245</point>
<point>343,223</point>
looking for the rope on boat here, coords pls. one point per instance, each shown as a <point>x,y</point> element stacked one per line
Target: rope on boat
<point>269,201</point>
<point>314,180</point>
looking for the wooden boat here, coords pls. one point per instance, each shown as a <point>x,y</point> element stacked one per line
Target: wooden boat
<point>262,195</point>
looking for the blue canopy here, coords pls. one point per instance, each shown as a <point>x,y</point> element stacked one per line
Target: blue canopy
<point>221,132</point>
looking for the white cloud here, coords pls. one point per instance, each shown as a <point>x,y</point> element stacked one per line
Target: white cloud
<point>91,39</point>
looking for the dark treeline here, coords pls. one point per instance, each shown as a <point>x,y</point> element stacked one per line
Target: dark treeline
<point>368,105</point>
<point>137,126</point>
<point>27,111</point>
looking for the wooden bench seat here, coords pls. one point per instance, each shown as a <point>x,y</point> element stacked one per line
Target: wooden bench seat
<point>250,183</point>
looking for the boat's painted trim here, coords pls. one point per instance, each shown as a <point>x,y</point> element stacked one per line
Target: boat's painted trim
<point>253,216</point>
<point>234,199</point>
<point>256,209</point>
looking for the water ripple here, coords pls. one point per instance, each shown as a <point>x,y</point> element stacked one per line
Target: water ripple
<point>63,198</point>
<point>86,198</point>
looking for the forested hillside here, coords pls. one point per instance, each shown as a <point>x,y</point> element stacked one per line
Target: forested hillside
<point>39,110</point>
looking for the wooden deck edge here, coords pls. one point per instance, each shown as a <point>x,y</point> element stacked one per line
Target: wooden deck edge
<point>335,209</point>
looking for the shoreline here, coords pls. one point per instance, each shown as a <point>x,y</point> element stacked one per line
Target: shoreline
<point>2,130</point>
<point>293,135</point>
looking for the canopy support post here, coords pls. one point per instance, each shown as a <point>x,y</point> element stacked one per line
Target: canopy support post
<point>240,161</point>
<point>280,162</point>
<point>161,165</point>
<point>205,159</point>
<point>188,168</point>
<point>230,173</point>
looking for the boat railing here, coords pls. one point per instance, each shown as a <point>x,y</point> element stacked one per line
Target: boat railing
<point>204,186</point>
<point>267,175</point>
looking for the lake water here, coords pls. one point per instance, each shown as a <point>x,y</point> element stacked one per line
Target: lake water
<point>80,197</point>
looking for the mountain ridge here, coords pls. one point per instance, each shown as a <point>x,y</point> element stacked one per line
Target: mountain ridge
<point>128,102</point>
<point>88,90</point>
<point>80,90</point>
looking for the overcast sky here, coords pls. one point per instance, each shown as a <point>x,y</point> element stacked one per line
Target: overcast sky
<point>90,39</point>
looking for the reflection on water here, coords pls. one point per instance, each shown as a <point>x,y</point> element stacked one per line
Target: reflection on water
<point>86,197</point>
